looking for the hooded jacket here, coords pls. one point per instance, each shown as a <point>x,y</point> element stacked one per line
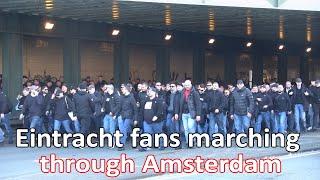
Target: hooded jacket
<point>83,104</point>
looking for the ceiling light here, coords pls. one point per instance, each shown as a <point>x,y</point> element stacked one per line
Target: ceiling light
<point>308,49</point>
<point>281,46</point>
<point>167,37</point>
<point>249,44</point>
<point>211,41</point>
<point>48,25</point>
<point>115,32</point>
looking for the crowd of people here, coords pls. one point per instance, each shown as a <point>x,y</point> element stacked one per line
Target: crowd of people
<point>164,108</point>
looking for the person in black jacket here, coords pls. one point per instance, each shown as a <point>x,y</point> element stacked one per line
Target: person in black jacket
<point>83,108</point>
<point>301,104</point>
<point>153,115</point>
<point>290,117</point>
<point>316,105</point>
<point>128,112</point>
<point>172,125</point>
<point>33,108</point>
<point>241,107</point>
<point>96,99</point>
<point>141,100</point>
<point>111,108</point>
<point>60,107</point>
<point>282,107</point>
<point>21,98</point>
<point>202,125</point>
<point>5,110</point>
<point>215,108</point>
<point>46,119</point>
<point>264,104</point>
<point>188,109</point>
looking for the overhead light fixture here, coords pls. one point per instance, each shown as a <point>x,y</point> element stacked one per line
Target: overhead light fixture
<point>115,32</point>
<point>249,44</point>
<point>211,41</point>
<point>167,37</point>
<point>308,49</point>
<point>48,25</point>
<point>281,46</point>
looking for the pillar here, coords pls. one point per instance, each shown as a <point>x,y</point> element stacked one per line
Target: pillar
<point>163,64</point>
<point>198,60</point>
<point>12,57</point>
<point>257,69</point>
<point>121,58</point>
<point>282,67</point>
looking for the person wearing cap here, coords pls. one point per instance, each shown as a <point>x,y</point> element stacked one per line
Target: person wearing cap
<point>33,108</point>
<point>188,109</point>
<point>60,107</point>
<point>5,111</point>
<point>241,107</point>
<point>128,112</point>
<point>153,115</point>
<point>300,104</point>
<point>215,108</point>
<point>264,104</point>
<point>111,108</point>
<point>84,108</point>
<point>282,108</point>
<point>316,105</point>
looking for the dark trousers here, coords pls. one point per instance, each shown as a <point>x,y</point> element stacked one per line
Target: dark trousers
<point>316,110</point>
<point>85,123</point>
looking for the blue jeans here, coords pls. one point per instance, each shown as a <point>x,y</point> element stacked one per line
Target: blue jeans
<point>241,123</point>
<point>6,123</point>
<point>76,125</point>
<point>217,119</point>
<point>281,121</point>
<point>35,123</point>
<point>153,128</point>
<point>109,124</point>
<point>172,125</point>
<point>299,113</point>
<point>189,125</point>
<point>1,135</point>
<point>263,116</point>
<point>125,128</point>
<point>64,123</point>
<point>273,123</point>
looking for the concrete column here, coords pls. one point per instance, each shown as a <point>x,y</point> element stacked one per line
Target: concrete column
<point>121,58</point>
<point>163,64</point>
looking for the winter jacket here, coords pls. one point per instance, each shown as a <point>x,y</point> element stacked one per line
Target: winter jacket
<point>265,100</point>
<point>305,101</point>
<point>33,106</point>
<point>153,107</point>
<point>282,103</point>
<point>83,104</point>
<point>193,104</point>
<point>60,108</point>
<point>241,102</point>
<point>215,100</point>
<point>128,108</point>
<point>316,94</point>
<point>111,103</point>
<point>5,104</point>
<point>96,102</point>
